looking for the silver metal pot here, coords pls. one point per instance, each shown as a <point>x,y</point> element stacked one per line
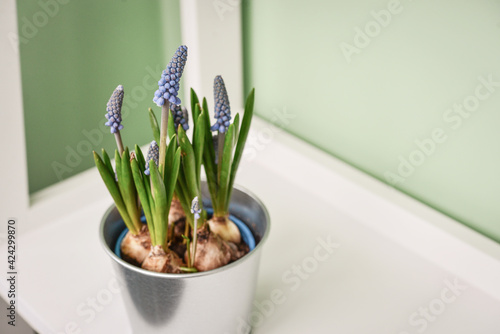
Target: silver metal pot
<point>216,301</point>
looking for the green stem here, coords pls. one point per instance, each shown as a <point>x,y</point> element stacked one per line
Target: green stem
<point>163,136</point>
<point>119,142</point>
<point>186,230</point>
<point>188,270</point>
<point>188,250</point>
<point>220,151</point>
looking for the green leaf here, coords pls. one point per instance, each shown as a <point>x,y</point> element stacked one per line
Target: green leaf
<point>142,166</point>
<point>154,126</point>
<point>169,158</point>
<point>236,127</point>
<point>198,143</point>
<point>141,185</point>
<point>180,190</point>
<point>209,156</point>
<point>114,191</point>
<point>172,175</point>
<point>107,161</point>
<point>171,125</point>
<point>194,102</point>
<point>227,159</point>
<point>205,108</point>
<point>160,205</point>
<point>188,163</point>
<point>127,187</point>
<point>118,164</point>
<point>140,158</point>
<point>242,138</point>
<point>147,186</point>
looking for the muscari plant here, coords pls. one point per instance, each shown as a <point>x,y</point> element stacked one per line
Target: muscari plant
<point>222,157</point>
<point>169,179</point>
<point>120,183</point>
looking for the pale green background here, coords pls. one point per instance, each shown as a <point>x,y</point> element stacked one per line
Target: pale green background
<point>368,112</point>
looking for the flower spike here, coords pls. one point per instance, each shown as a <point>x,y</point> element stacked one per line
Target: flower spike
<point>114,110</point>
<point>168,86</point>
<point>222,108</point>
<point>180,116</point>
<point>114,115</point>
<point>153,153</point>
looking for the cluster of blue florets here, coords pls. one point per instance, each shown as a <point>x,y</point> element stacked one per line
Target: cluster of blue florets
<point>180,116</point>
<point>153,153</point>
<point>114,110</point>
<point>168,86</point>
<point>222,109</point>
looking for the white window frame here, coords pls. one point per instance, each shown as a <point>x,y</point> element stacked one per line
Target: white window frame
<point>14,176</point>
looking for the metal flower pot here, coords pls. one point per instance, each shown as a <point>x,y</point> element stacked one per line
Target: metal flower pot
<point>216,301</point>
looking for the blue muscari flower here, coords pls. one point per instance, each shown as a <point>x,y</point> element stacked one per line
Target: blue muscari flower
<point>114,110</point>
<point>153,153</point>
<point>180,116</point>
<point>168,86</point>
<point>195,208</point>
<point>222,108</point>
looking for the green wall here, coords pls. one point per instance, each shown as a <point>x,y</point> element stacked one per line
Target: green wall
<point>403,100</point>
<point>73,55</point>
<point>395,88</point>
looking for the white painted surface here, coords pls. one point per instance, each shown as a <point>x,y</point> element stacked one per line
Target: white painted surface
<point>13,170</point>
<point>394,256</point>
<point>213,34</point>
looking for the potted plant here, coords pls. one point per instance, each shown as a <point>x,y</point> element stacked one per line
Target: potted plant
<point>187,251</point>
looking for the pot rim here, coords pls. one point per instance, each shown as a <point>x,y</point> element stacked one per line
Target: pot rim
<point>129,266</point>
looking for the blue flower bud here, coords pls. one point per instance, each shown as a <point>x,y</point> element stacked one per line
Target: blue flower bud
<point>173,99</point>
<point>222,109</point>
<point>153,153</point>
<point>170,77</point>
<point>114,110</point>
<point>180,116</point>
